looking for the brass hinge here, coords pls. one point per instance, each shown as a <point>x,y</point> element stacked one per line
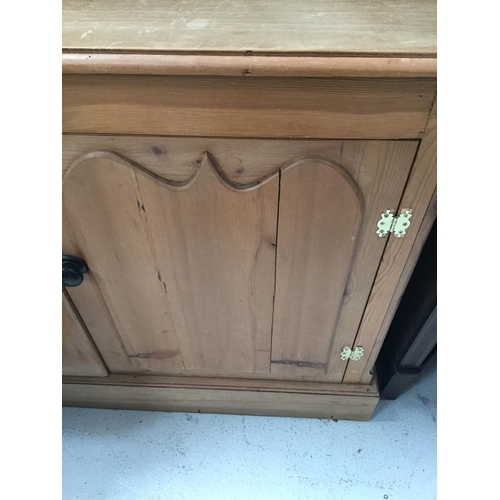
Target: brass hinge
<point>396,225</point>
<point>354,354</point>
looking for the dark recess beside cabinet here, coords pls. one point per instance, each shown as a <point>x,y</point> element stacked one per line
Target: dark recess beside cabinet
<point>411,341</point>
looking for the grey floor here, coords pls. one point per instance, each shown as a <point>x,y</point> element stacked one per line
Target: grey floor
<point>136,455</point>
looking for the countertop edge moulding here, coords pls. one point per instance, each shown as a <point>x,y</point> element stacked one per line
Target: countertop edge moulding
<point>247,66</point>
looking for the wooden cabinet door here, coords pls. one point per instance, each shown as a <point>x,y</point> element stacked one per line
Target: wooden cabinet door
<point>225,257</point>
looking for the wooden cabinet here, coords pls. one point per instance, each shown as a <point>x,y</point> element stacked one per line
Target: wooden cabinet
<point>229,225</point>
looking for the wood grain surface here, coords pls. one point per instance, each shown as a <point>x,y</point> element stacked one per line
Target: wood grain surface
<point>337,108</point>
<point>196,400</point>
<point>154,306</point>
<point>391,276</point>
<point>187,275</point>
<point>79,354</point>
<point>248,66</point>
<point>324,27</point>
<point>320,209</point>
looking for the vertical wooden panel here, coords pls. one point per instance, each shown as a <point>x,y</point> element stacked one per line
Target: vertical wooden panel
<point>101,198</point>
<point>93,310</point>
<point>319,212</point>
<point>216,249</point>
<point>186,274</point>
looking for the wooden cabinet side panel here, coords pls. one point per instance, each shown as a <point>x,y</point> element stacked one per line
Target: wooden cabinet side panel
<point>391,276</point>
<point>79,356</point>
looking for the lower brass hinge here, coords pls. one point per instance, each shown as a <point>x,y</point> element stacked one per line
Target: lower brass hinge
<point>354,354</point>
<point>396,225</point>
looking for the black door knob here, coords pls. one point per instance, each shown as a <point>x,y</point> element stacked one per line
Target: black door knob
<point>73,269</point>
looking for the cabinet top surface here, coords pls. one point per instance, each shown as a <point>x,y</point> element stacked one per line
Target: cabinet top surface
<point>404,28</point>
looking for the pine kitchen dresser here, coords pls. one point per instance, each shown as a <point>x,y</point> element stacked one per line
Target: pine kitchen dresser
<point>246,189</point>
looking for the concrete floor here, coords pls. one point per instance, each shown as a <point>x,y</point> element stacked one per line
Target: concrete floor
<point>138,455</point>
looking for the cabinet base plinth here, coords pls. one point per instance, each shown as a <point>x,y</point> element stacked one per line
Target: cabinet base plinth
<point>341,405</point>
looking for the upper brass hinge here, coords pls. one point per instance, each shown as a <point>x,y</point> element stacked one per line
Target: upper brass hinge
<point>396,225</point>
